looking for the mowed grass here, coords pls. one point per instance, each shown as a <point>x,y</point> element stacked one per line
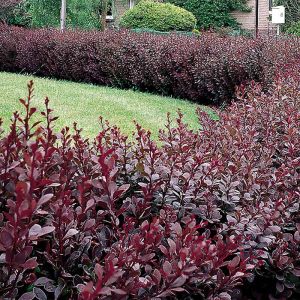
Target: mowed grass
<point>84,103</point>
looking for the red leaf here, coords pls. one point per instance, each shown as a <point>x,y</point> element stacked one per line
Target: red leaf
<point>46,230</point>
<point>180,281</point>
<point>6,239</point>
<point>156,276</point>
<point>234,263</point>
<point>44,199</point>
<point>172,246</point>
<point>27,296</point>
<point>32,111</point>
<point>30,264</point>
<point>167,267</point>
<point>118,291</point>
<point>71,232</point>
<point>35,230</point>
<point>39,293</point>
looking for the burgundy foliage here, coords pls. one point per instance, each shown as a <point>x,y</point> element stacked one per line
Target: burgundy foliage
<point>204,69</point>
<point>212,214</point>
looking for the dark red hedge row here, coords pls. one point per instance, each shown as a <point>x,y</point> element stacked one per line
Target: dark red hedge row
<point>212,214</point>
<point>204,69</point>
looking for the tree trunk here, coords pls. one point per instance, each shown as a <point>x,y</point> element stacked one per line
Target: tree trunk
<point>104,14</point>
<point>63,15</point>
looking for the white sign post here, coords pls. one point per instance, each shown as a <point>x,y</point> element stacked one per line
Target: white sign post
<point>278,16</point>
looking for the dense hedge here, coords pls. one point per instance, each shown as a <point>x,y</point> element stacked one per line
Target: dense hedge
<point>209,215</point>
<point>202,69</point>
<point>158,16</point>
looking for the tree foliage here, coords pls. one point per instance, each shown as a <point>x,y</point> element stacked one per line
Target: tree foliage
<point>213,13</point>
<point>6,8</point>
<point>44,13</point>
<point>292,9</point>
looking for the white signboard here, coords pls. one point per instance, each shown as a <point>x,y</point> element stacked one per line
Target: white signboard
<point>278,15</point>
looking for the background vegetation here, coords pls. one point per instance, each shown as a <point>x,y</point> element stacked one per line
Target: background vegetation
<point>86,14</point>
<point>292,15</point>
<point>213,13</point>
<point>158,16</point>
<point>44,13</point>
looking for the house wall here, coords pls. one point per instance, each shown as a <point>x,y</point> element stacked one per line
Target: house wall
<point>120,8</point>
<point>247,20</point>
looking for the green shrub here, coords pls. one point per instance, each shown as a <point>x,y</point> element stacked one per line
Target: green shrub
<point>45,13</point>
<point>194,32</point>
<point>294,29</point>
<point>158,16</point>
<point>6,9</point>
<point>213,13</point>
<point>20,15</point>
<point>83,14</point>
<point>292,12</point>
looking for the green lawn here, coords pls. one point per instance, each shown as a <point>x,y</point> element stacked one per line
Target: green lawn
<point>84,103</point>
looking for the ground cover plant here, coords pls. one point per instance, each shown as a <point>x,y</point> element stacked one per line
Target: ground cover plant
<point>210,214</point>
<point>204,69</point>
<point>85,103</point>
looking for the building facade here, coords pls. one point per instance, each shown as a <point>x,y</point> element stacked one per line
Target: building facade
<point>118,9</point>
<point>248,19</point>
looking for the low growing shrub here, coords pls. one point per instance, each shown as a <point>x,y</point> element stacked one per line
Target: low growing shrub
<point>204,69</point>
<point>158,16</point>
<point>212,214</point>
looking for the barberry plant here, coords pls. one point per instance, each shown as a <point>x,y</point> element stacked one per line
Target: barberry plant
<point>208,214</point>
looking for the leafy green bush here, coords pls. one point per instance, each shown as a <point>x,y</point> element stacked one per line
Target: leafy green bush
<point>20,14</point>
<point>294,29</point>
<point>6,9</point>
<point>213,13</point>
<point>292,12</point>
<point>45,13</point>
<point>158,16</point>
<point>194,32</point>
<point>83,14</point>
